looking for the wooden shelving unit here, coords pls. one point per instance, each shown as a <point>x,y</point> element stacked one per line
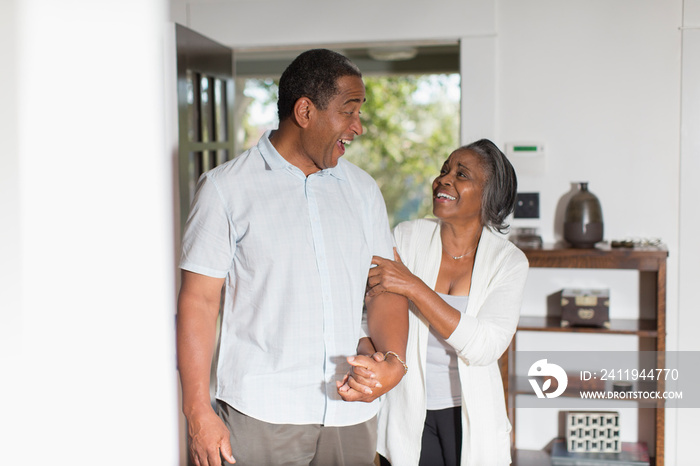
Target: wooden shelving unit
<point>650,328</point>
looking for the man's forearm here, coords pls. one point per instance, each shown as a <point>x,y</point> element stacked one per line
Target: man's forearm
<point>198,310</point>
<point>365,347</point>
<point>387,319</point>
<point>195,348</point>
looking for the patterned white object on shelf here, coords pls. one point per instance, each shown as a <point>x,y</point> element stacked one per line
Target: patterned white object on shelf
<point>593,431</point>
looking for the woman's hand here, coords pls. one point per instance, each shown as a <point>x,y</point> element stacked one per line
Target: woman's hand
<point>370,377</point>
<point>390,276</point>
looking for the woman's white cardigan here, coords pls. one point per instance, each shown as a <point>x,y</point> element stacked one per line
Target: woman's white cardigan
<point>482,335</point>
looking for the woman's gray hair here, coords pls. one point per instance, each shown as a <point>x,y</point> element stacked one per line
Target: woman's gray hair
<point>501,187</point>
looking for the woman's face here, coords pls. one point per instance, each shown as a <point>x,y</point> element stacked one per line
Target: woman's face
<point>458,190</point>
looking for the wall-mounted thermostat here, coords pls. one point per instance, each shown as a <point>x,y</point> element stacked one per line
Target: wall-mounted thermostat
<point>524,149</point>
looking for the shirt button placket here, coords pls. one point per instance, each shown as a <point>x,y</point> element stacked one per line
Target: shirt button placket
<point>319,248</point>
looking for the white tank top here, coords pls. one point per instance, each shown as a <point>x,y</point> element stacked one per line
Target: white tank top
<point>442,377</point>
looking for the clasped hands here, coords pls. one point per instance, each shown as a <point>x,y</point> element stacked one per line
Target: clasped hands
<point>370,377</point>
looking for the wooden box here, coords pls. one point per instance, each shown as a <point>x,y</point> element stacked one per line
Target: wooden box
<point>585,307</point>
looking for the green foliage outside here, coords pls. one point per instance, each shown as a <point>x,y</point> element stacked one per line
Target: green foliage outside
<point>411,125</point>
<point>250,94</point>
<point>405,140</point>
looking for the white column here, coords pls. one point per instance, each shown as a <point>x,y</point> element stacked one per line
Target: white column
<point>87,195</point>
<point>680,439</point>
<point>10,317</point>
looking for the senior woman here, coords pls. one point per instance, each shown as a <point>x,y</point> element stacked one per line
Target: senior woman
<point>465,285</point>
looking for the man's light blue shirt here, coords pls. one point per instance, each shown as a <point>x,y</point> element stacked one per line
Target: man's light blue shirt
<point>295,252</point>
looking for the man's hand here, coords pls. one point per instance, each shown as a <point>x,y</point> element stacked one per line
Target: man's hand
<point>371,377</point>
<point>208,439</point>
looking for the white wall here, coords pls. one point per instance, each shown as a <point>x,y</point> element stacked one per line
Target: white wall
<point>88,290</point>
<point>600,87</point>
<point>689,247</point>
<point>10,296</point>
<point>598,82</point>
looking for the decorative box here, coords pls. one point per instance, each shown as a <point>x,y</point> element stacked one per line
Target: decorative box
<point>585,307</point>
<point>593,431</point>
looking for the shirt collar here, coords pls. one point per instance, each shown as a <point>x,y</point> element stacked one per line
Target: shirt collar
<point>275,161</point>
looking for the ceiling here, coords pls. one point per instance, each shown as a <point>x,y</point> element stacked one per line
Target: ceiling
<point>377,58</point>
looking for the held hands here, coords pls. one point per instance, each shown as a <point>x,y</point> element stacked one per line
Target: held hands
<point>391,276</point>
<point>209,439</point>
<point>370,377</point>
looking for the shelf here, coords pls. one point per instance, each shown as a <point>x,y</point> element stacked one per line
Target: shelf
<point>650,262</point>
<point>639,327</point>
<point>531,458</point>
<point>520,385</point>
<point>540,458</point>
<point>647,259</point>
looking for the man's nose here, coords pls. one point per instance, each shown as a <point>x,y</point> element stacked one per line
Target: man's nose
<point>356,126</point>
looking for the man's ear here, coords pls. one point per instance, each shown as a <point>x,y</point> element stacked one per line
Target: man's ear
<point>302,111</point>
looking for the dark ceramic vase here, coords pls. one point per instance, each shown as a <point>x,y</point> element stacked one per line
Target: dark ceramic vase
<point>583,221</point>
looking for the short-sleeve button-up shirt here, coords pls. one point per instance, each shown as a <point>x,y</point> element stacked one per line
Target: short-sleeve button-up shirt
<point>295,252</point>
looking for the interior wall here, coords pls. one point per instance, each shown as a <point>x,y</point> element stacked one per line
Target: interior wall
<point>90,228</point>
<point>10,296</point>
<point>689,246</point>
<point>597,82</point>
<point>600,88</point>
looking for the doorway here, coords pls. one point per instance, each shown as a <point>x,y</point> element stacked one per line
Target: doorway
<point>411,119</point>
<point>205,104</point>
